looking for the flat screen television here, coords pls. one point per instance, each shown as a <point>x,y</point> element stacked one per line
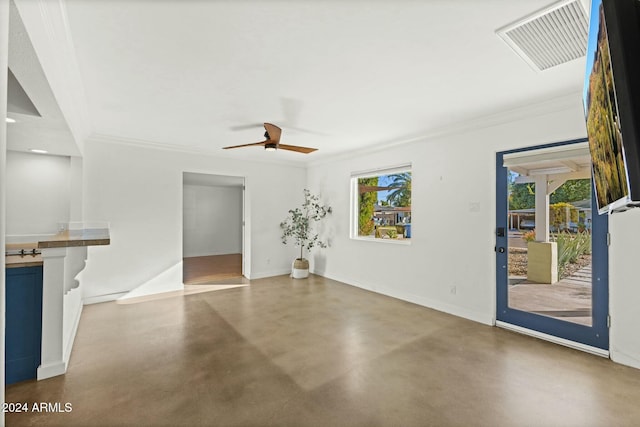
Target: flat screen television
<point>612,102</point>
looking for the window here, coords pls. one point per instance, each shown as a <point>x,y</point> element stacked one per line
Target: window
<point>381,204</point>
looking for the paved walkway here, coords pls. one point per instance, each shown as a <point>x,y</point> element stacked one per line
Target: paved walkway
<point>569,299</point>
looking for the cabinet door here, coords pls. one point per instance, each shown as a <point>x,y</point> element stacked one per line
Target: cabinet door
<point>23,336</point>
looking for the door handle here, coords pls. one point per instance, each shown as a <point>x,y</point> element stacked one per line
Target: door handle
<point>500,249</point>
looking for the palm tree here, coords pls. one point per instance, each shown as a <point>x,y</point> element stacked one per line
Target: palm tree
<point>401,193</point>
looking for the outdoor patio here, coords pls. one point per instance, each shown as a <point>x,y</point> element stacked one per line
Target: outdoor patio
<point>568,299</point>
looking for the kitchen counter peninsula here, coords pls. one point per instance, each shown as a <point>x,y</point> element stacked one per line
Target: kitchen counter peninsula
<point>60,259</point>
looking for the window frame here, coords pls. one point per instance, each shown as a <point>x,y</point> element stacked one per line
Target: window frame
<point>354,202</point>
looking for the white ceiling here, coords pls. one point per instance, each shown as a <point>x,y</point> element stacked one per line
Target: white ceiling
<point>354,74</point>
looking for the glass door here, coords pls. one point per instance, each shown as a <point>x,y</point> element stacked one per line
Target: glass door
<point>551,245</point>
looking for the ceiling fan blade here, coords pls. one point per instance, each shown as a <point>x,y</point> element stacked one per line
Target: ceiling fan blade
<point>273,131</point>
<point>245,145</point>
<point>305,150</point>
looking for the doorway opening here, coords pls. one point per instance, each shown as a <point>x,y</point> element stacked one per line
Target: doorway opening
<point>551,247</point>
<point>565,292</point>
<point>213,228</point>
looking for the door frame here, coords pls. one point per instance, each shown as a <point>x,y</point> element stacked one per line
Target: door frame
<point>597,335</point>
<point>244,223</point>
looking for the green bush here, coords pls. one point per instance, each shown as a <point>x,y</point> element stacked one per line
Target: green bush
<point>570,247</point>
<point>366,203</point>
<point>384,231</point>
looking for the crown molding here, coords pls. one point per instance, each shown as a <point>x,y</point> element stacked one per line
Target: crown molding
<point>176,148</point>
<point>553,105</point>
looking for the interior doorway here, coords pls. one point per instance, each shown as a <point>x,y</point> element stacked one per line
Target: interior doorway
<point>551,250</point>
<point>213,228</point>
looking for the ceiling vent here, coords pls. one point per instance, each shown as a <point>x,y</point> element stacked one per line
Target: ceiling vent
<point>549,37</point>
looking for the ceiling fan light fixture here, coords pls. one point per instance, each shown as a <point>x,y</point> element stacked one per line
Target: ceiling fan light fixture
<point>272,142</point>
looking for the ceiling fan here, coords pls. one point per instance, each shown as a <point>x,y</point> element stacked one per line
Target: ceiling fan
<point>272,142</point>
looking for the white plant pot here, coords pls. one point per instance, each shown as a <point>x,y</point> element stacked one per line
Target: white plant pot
<point>300,269</point>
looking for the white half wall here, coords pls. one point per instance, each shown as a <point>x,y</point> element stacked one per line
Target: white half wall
<point>212,220</point>
<point>139,191</point>
<point>453,212</point>
<point>38,192</point>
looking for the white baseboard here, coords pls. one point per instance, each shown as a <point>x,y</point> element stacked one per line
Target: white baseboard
<point>556,340</point>
<point>51,370</point>
<point>103,298</point>
<point>425,302</point>
<point>623,359</point>
<point>72,336</point>
<point>272,273</point>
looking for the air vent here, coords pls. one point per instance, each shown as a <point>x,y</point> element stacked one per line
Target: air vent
<point>549,37</point>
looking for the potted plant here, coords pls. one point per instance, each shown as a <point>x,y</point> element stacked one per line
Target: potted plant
<point>297,227</point>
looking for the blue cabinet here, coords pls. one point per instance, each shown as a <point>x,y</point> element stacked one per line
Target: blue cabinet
<point>23,336</point>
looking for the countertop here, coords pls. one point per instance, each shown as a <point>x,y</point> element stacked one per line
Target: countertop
<point>71,238</point>
<point>65,239</point>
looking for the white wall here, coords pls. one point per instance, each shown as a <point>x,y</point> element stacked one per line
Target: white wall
<point>451,244</point>
<point>38,192</point>
<point>139,191</point>
<point>76,171</point>
<point>624,288</point>
<point>212,220</point>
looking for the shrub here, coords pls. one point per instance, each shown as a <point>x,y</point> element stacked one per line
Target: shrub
<point>366,203</point>
<point>570,247</point>
<point>529,236</point>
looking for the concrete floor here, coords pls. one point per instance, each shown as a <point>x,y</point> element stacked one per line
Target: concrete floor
<point>284,352</point>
